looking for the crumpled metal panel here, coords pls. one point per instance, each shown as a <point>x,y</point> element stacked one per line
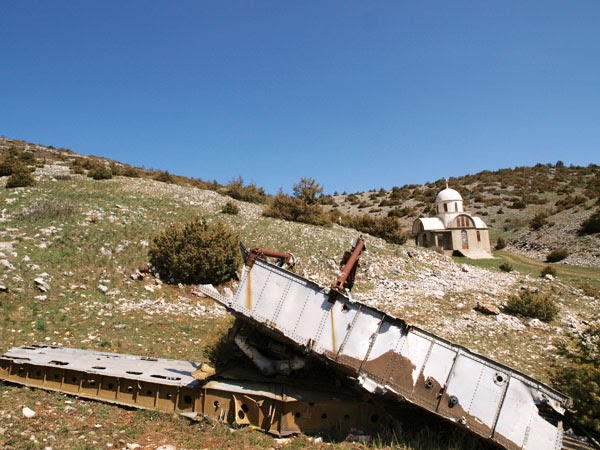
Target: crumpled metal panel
<point>385,354</point>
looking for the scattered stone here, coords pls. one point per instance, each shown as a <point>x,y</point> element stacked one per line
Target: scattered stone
<point>132,446</point>
<point>228,293</point>
<point>103,289</point>
<point>41,284</point>
<point>548,277</point>
<point>3,288</point>
<point>41,298</point>
<point>28,413</point>
<point>137,275</point>
<point>149,288</point>
<point>465,268</point>
<point>537,323</point>
<point>6,263</point>
<point>166,447</point>
<point>487,308</point>
<point>511,322</point>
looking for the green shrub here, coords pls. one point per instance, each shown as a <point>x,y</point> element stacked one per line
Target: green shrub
<point>100,171</point>
<point>250,193</point>
<point>7,166</point>
<point>387,228</point>
<point>130,172</point>
<point>164,177</point>
<point>580,378</point>
<point>506,267</point>
<point>533,304</point>
<point>500,243</point>
<point>196,252</point>
<point>538,221</point>
<point>591,225</point>
<point>548,270</point>
<point>21,177</point>
<point>557,254</point>
<point>295,209</point>
<point>230,208</point>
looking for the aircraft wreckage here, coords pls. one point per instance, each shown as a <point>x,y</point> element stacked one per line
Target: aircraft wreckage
<point>284,321</point>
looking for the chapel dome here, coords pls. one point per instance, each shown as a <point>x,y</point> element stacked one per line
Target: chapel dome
<point>448,195</point>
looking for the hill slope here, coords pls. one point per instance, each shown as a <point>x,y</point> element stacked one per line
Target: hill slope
<point>70,247</point>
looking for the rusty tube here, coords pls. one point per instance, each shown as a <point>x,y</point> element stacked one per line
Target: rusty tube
<point>257,252</point>
<point>340,283</point>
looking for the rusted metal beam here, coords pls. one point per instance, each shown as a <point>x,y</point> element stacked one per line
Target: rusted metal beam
<point>284,259</point>
<point>348,266</point>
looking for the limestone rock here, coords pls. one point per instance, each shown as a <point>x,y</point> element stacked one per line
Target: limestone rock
<point>41,284</point>
<point>487,308</point>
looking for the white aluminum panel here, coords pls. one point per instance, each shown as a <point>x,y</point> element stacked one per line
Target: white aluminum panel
<point>515,412</point>
<point>388,339</point>
<point>543,435</point>
<point>439,363</point>
<point>489,394</point>
<point>415,349</point>
<point>312,317</point>
<point>362,334</point>
<point>334,330</point>
<point>290,310</point>
<point>264,292</point>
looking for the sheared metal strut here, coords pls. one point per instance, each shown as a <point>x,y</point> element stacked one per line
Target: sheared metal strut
<point>387,356</point>
<point>236,396</point>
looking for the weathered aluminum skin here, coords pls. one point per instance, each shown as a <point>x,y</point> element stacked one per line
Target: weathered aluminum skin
<point>386,355</point>
<point>168,385</point>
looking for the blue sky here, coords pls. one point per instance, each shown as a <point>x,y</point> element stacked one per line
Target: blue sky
<point>357,95</point>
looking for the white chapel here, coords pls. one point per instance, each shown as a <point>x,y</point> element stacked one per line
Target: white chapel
<point>452,229</point>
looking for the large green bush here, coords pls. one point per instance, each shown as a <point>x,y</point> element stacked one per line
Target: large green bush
<point>196,252</point>
<point>100,171</point>
<point>387,228</point>
<point>247,193</point>
<point>580,378</point>
<point>21,177</point>
<point>295,209</point>
<point>533,304</point>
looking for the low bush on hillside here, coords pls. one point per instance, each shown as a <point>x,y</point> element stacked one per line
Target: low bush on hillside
<point>196,252</point>
<point>295,209</point>
<point>591,225</point>
<point>506,267</point>
<point>100,171</point>
<point>386,228</point>
<point>533,304</point>
<point>557,255</point>
<point>500,243</point>
<point>548,270</point>
<point>237,190</point>
<point>164,177</point>
<point>538,221</point>
<point>21,177</point>
<point>570,201</point>
<point>580,378</point>
<point>230,208</point>
<point>131,172</point>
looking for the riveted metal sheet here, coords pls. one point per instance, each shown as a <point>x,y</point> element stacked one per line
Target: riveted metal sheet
<point>489,398</point>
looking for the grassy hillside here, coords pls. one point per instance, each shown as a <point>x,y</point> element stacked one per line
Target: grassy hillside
<point>69,250</point>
